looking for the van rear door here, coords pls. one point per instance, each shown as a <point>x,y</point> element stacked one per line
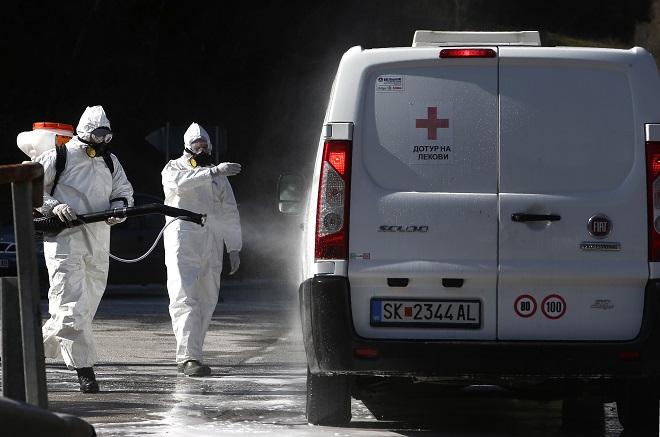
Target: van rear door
<point>423,228</point>
<point>572,223</point>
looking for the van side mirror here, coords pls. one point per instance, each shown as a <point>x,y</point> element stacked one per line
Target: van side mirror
<point>290,189</point>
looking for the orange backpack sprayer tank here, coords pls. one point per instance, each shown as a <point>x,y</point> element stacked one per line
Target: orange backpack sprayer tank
<point>43,137</point>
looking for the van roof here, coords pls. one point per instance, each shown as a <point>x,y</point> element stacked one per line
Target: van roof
<point>434,38</point>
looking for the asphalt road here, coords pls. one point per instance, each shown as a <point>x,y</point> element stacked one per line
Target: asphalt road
<point>255,350</point>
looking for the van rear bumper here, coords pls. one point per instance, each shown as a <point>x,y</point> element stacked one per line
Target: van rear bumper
<point>331,341</point>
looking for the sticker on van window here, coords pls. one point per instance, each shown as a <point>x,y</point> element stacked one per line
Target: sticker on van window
<point>432,133</point>
<point>389,83</point>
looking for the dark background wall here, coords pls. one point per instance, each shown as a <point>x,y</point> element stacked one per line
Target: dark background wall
<point>263,70</point>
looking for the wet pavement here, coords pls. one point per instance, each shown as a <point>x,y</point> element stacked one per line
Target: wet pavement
<point>254,347</point>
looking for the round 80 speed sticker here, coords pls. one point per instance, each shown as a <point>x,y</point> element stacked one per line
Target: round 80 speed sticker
<point>525,306</point>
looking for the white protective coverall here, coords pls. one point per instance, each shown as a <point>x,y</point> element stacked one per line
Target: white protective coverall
<point>194,253</point>
<point>77,265</point>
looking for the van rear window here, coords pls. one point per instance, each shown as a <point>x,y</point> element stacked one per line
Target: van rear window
<point>563,128</point>
<point>433,129</point>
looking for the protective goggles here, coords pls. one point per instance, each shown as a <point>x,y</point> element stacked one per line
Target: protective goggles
<point>201,146</point>
<point>98,139</point>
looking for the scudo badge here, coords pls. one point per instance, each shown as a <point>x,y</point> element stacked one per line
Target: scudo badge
<point>399,228</point>
<point>599,226</point>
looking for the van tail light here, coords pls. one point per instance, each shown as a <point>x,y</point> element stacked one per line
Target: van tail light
<point>333,201</point>
<point>653,193</point>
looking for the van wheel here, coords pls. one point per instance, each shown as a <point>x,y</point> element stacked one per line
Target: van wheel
<point>637,406</point>
<point>582,416</point>
<point>328,399</point>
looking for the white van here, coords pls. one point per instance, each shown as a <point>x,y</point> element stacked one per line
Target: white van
<point>485,210</point>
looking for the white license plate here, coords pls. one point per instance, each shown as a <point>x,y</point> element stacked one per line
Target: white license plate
<point>446,313</point>
<point>4,263</point>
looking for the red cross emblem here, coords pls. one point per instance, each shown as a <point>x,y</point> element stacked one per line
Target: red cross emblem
<point>432,123</point>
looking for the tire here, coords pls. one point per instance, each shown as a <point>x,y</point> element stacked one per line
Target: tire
<point>637,407</point>
<point>328,399</point>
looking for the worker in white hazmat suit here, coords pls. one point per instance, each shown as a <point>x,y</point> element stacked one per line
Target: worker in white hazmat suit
<point>193,253</point>
<point>77,263</point>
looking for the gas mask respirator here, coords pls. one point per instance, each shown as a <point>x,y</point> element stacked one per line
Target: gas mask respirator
<point>201,159</point>
<point>98,144</point>
<point>97,150</point>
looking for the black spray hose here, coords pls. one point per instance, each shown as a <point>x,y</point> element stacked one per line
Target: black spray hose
<point>53,225</point>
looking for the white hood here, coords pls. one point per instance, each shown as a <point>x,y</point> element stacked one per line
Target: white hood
<point>92,118</point>
<point>195,132</point>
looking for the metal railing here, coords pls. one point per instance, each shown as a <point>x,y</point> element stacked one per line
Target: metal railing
<point>23,366</point>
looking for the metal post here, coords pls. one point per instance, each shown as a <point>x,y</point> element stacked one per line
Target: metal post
<point>27,192</point>
<point>28,289</point>
<point>13,377</point>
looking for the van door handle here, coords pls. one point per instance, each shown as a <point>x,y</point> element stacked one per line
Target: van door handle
<point>522,217</point>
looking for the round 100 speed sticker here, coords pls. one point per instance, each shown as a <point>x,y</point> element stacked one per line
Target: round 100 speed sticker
<point>553,306</point>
